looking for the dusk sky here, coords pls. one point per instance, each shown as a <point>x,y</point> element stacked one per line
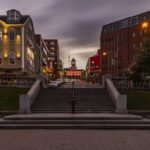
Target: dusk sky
<point>75,23</point>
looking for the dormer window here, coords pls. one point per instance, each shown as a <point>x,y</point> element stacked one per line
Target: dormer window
<point>13,15</point>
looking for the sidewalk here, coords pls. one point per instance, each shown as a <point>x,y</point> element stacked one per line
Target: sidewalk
<point>74,140</point>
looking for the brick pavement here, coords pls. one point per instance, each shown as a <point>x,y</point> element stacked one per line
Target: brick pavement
<point>74,140</point>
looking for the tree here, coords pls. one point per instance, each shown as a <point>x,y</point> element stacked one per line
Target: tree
<point>142,66</point>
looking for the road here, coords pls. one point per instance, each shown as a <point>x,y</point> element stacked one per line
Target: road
<point>80,84</point>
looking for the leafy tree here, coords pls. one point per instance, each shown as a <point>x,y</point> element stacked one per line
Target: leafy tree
<point>142,66</point>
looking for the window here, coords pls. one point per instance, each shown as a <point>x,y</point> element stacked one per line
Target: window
<point>52,48</point>
<point>52,54</point>
<point>120,58</point>
<point>52,59</point>
<point>30,59</point>
<point>12,34</point>
<point>140,33</point>
<point>133,46</point>
<point>13,15</point>
<point>1,58</point>
<point>133,57</point>
<point>133,34</point>
<point>1,34</point>
<point>52,43</point>
<point>141,44</point>
<point>12,58</point>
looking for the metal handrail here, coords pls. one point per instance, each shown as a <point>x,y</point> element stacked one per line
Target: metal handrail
<point>73,97</point>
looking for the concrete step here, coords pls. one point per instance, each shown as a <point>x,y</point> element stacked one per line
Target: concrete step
<point>74,121</point>
<point>64,116</point>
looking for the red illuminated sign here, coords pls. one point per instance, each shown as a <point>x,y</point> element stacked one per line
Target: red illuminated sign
<point>73,73</point>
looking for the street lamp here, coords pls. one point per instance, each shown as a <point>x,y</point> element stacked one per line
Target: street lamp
<point>145,25</point>
<point>104,53</point>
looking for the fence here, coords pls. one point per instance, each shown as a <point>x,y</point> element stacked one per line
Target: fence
<point>16,82</point>
<point>124,83</point>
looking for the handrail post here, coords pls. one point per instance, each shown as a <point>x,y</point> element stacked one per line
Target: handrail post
<point>73,97</point>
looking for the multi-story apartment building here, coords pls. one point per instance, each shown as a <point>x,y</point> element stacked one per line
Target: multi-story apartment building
<point>53,47</point>
<point>44,61</point>
<point>18,53</point>
<point>120,42</point>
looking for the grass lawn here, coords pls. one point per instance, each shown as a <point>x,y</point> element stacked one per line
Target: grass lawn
<point>9,98</point>
<point>137,99</point>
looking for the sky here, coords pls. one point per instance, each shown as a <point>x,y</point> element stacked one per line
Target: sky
<point>75,23</point>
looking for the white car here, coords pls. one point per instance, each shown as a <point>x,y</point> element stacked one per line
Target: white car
<point>60,81</point>
<point>53,84</point>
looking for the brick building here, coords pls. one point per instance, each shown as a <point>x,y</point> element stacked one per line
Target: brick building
<point>17,45</point>
<point>120,42</point>
<point>93,67</point>
<point>53,48</point>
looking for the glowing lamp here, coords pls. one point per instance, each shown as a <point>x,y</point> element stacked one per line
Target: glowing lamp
<point>18,55</point>
<point>144,24</point>
<point>104,53</point>
<point>5,30</point>
<point>5,37</point>
<point>5,55</point>
<point>18,37</point>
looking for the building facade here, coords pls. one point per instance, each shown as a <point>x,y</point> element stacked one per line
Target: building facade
<point>73,72</point>
<point>93,67</point>
<point>17,45</point>
<point>121,41</point>
<point>44,57</point>
<point>53,48</point>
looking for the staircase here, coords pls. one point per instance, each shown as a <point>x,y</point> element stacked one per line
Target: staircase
<point>74,121</point>
<point>53,100</point>
<point>59,100</point>
<point>93,100</point>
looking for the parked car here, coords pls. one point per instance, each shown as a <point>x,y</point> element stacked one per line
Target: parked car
<point>66,80</point>
<point>53,84</point>
<point>60,81</point>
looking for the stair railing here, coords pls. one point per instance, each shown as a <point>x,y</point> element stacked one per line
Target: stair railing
<point>73,97</point>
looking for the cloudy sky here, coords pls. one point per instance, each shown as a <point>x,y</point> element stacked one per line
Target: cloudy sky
<point>75,23</point>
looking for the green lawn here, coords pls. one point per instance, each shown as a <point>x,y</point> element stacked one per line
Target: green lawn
<point>137,99</point>
<point>9,98</point>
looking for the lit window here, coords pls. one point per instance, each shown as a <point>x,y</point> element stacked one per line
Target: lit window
<point>52,48</point>
<point>30,59</point>
<point>12,34</point>
<point>12,58</point>
<point>1,58</point>
<point>1,34</point>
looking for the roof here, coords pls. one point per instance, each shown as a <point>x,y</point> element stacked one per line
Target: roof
<point>22,20</point>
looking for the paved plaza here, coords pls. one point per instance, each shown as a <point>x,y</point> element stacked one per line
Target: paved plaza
<point>74,140</point>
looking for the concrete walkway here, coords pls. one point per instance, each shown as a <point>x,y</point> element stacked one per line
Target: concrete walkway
<point>74,140</point>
